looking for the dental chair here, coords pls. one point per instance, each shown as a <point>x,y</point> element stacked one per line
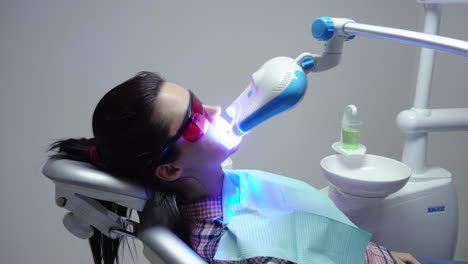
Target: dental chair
<point>79,184</point>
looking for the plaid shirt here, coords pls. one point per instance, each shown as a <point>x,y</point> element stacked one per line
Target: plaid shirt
<point>206,226</point>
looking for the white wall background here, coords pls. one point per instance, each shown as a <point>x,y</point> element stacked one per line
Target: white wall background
<point>57,58</point>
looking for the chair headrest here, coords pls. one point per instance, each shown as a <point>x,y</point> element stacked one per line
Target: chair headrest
<point>85,175</point>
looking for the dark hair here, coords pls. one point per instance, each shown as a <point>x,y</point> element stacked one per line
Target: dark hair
<point>129,136</point>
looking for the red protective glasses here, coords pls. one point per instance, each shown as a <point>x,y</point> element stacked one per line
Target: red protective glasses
<point>194,126</point>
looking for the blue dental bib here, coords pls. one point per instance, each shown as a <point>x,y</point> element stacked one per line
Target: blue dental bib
<point>276,216</point>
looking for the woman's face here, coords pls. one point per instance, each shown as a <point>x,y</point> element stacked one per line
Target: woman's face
<point>218,142</point>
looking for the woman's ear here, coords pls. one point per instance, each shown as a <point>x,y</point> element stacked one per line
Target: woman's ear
<point>167,172</point>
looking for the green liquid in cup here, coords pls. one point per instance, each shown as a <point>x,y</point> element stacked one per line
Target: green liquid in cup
<point>350,138</point>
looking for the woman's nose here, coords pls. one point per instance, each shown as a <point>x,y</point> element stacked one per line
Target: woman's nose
<point>212,112</point>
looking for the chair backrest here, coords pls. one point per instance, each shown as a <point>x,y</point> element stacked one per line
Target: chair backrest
<point>78,184</point>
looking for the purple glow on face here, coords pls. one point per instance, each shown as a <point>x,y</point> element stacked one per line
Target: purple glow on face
<point>222,131</point>
<point>201,122</point>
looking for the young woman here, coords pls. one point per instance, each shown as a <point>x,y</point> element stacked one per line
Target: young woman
<point>161,135</point>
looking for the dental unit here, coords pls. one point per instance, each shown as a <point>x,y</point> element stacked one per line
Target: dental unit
<point>426,194</point>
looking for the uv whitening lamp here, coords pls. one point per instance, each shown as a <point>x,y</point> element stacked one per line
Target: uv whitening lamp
<point>277,86</point>
<point>281,82</point>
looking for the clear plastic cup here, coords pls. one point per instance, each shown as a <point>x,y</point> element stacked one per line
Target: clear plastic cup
<point>351,134</point>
